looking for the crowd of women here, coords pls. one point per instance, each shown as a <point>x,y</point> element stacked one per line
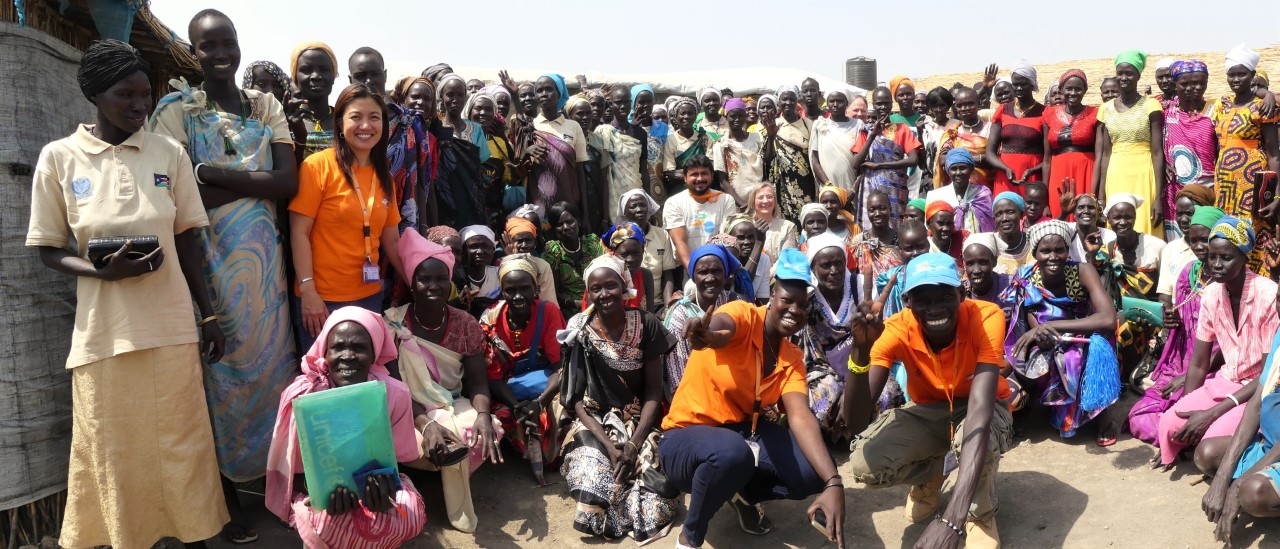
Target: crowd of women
<point>653,296</point>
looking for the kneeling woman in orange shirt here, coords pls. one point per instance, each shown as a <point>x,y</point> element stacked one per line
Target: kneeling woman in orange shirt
<point>718,446</point>
<point>343,214</point>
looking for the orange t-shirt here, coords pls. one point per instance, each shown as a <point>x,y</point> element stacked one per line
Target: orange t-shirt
<point>337,237</point>
<point>980,334</point>
<point>718,386</point>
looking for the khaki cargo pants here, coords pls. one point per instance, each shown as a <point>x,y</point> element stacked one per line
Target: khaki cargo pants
<point>907,446</point>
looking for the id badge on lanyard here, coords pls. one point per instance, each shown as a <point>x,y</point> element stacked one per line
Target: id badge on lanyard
<point>753,441</point>
<point>370,273</point>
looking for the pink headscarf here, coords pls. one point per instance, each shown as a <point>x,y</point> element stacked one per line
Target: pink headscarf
<point>414,249</point>
<point>285,458</point>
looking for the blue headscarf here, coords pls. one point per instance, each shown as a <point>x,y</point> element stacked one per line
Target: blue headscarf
<point>616,234</point>
<point>959,155</point>
<point>1239,232</point>
<point>659,129</point>
<point>560,87</point>
<point>1011,197</point>
<point>730,261</point>
<point>1189,66</point>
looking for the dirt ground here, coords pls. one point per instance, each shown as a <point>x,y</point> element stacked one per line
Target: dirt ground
<point>1053,493</point>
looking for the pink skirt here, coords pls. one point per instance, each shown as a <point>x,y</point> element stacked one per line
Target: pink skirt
<point>361,529</point>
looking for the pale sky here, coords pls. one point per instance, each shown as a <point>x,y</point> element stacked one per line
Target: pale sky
<point>575,36</point>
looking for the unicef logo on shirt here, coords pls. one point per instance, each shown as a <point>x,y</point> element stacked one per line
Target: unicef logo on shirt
<point>709,227</point>
<point>82,188</point>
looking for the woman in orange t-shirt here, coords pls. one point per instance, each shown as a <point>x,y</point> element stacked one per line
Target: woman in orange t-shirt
<point>343,214</point>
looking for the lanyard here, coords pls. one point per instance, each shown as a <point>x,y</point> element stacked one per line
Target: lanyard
<point>950,391</point>
<point>364,211</point>
<point>755,406</point>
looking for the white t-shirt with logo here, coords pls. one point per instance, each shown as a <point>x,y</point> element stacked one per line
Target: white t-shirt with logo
<point>700,220</point>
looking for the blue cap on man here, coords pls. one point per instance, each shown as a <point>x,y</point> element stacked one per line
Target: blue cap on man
<point>932,268</point>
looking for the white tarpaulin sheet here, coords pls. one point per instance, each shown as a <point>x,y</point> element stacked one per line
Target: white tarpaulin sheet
<point>749,81</point>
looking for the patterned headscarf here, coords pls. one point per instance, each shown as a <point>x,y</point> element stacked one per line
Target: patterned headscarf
<point>1189,66</point>
<point>1073,73</point>
<point>1050,227</point>
<point>517,263</point>
<point>615,264</point>
<point>439,233</point>
<point>788,88</point>
<point>1239,232</point>
<point>273,69</point>
<point>734,220</point>
<point>619,233</point>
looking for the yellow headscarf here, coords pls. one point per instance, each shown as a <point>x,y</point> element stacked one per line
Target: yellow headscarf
<point>302,48</point>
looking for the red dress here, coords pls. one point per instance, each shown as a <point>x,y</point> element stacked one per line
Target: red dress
<point>1071,140</point>
<point>1021,144</point>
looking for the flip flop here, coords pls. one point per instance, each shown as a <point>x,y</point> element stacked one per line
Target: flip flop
<point>1107,441</point>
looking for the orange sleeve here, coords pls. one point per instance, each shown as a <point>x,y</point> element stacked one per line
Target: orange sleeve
<point>988,330</point>
<point>885,350</point>
<point>311,177</point>
<point>743,323</point>
<point>906,138</point>
<point>393,213</point>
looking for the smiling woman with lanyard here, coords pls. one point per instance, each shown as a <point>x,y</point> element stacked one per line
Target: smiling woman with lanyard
<point>343,215</point>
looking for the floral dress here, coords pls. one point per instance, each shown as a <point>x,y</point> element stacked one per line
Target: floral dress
<point>568,271</point>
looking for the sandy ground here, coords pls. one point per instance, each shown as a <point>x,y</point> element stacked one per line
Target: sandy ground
<point>1053,493</point>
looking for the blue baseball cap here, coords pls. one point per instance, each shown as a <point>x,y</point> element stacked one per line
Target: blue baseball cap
<point>932,268</point>
<point>793,265</point>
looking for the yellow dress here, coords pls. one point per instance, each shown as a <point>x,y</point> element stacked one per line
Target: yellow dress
<point>1130,169</point>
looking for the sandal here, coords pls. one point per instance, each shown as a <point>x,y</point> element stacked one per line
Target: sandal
<point>1106,440</point>
<point>757,525</point>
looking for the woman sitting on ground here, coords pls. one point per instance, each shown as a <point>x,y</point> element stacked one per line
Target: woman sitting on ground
<point>521,238</point>
<point>1246,475</point>
<point>1050,297</point>
<point>523,359</point>
<point>742,237</point>
<point>1091,230</point>
<point>481,289</point>
<point>1131,265</point>
<point>441,353</point>
<point>710,269</point>
<point>1181,318</point>
<point>943,235</point>
<point>352,347</point>
<point>1238,313</point>
<point>826,339</point>
<point>614,388</point>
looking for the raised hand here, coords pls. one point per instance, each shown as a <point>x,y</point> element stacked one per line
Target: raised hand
<point>989,75</point>
<point>1066,193</point>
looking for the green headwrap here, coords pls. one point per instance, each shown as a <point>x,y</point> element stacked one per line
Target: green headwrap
<point>1132,57</point>
<point>917,204</point>
<point>1207,216</point>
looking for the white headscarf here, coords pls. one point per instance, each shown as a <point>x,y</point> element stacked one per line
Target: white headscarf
<point>626,197</point>
<point>1123,198</point>
<point>1024,68</point>
<point>1242,55</point>
<point>788,88</point>
<point>445,80</point>
<point>822,242</point>
<point>810,208</point>
<point>1164,63</point>
<point>986,240</point>
<point>478,230</point>
<point>703,94</point>
<point>526,209</point>
<point>613,263</point>
<point>473,98</point>
<point>771,97</point>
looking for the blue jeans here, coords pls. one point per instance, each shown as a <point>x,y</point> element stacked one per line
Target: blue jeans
<point>305,339</point>
<point>711,464</point>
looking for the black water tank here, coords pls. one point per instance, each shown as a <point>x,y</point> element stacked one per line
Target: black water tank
<point>860,72</point>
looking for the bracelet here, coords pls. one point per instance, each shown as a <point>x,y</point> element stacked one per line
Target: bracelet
<point>858,369</point>
<point>196,172</point>
<point>959,531</point>
<point>306,280</point>
<point>424,427</point>
<point>206,320</point>
<point>633,445</point>
<point>1234,399</point>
